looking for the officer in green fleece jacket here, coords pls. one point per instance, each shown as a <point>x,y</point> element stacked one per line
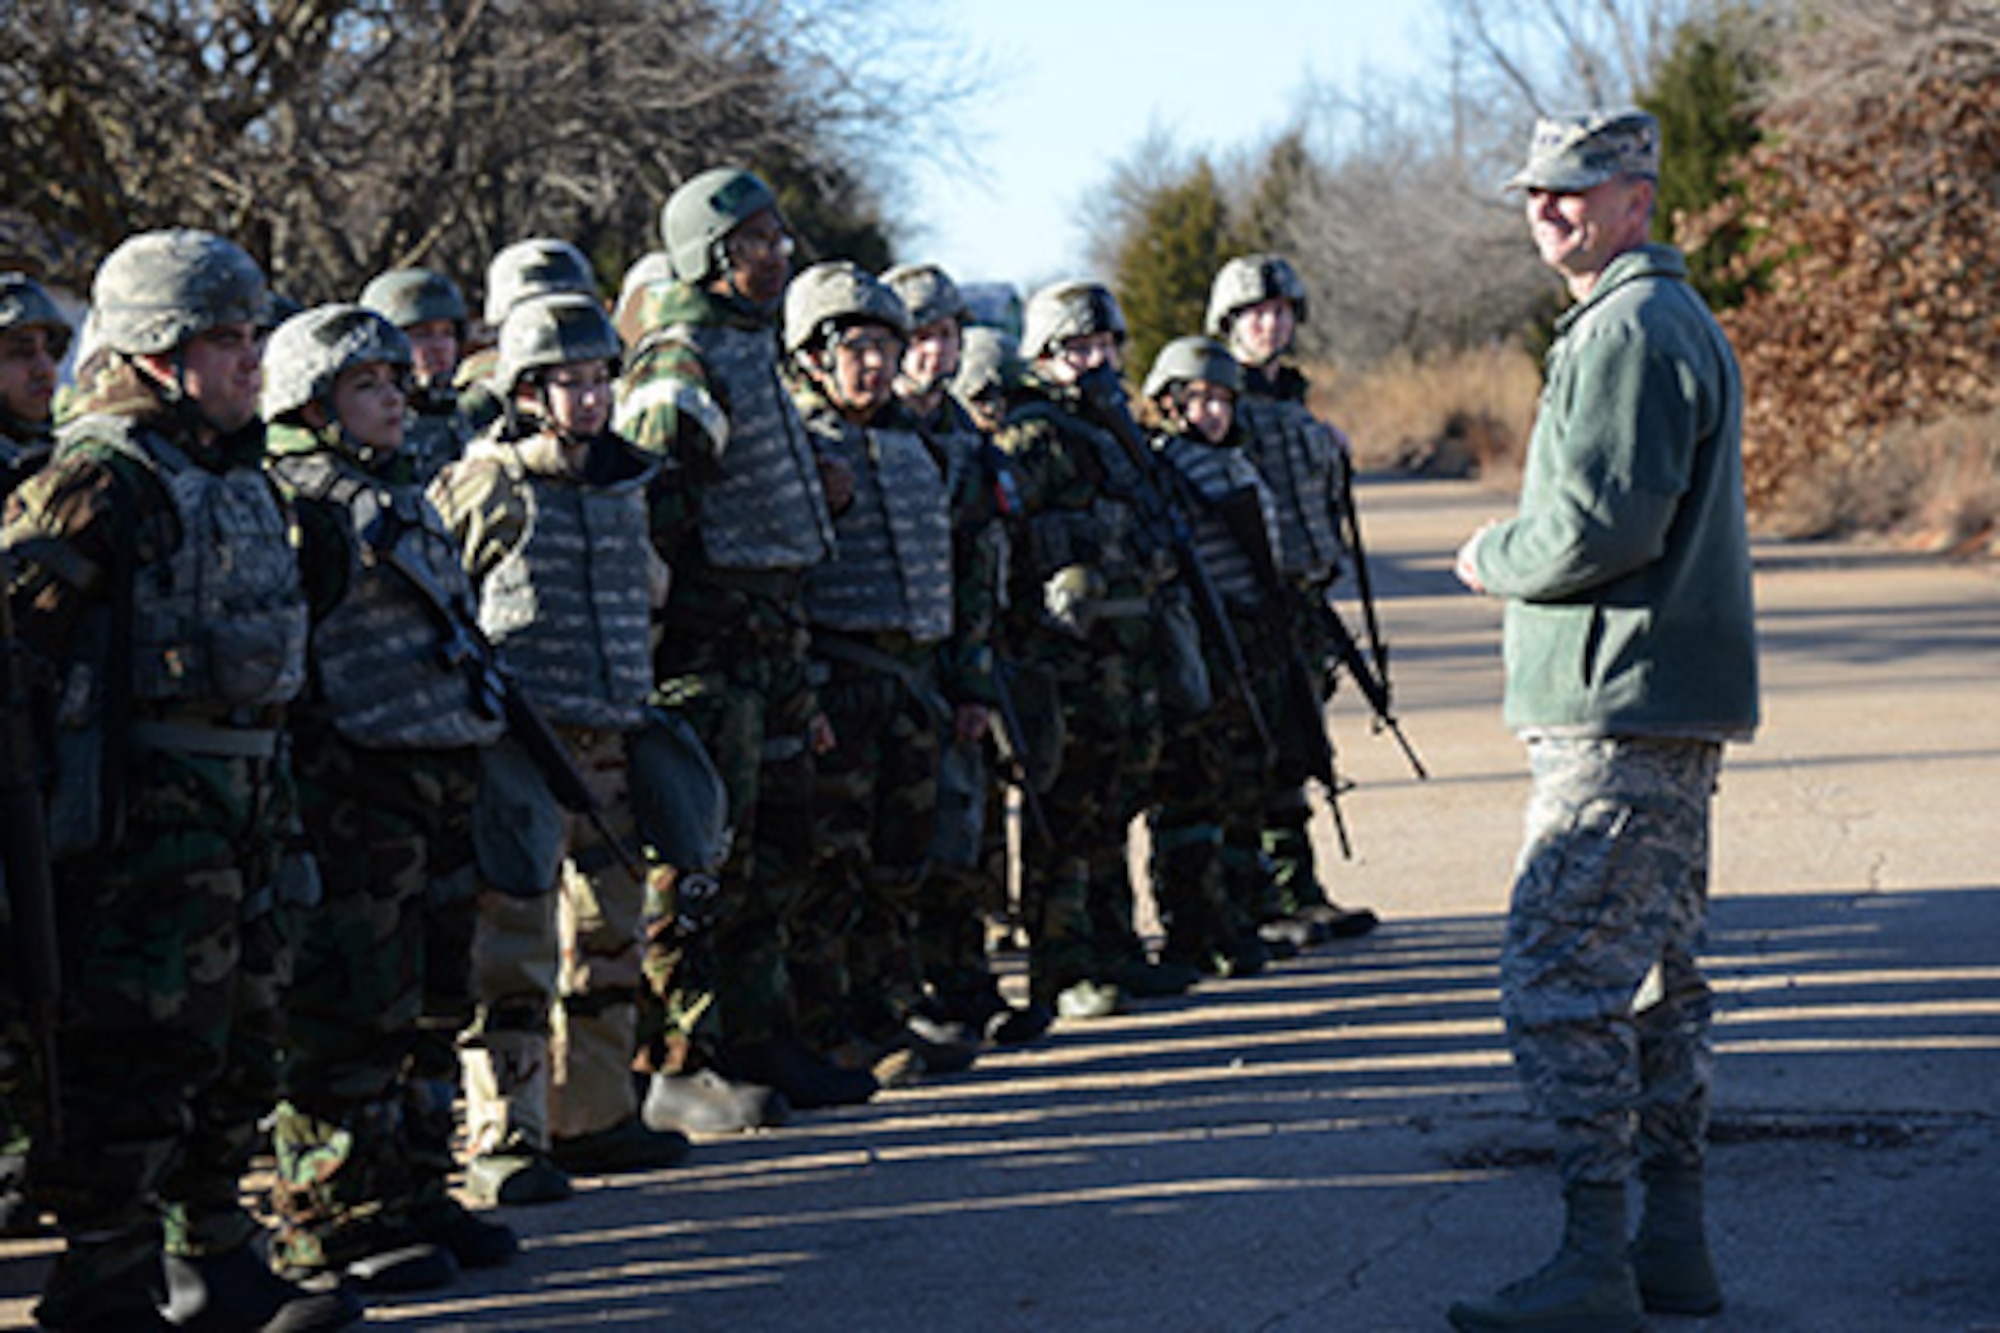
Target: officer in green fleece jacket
<point>1631,659</point>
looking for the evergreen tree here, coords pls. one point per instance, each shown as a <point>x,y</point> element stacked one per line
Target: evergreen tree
<point>1702,96</point>
<point>1178,238</point>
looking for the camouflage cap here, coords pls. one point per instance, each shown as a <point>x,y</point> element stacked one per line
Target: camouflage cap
<point>25,304</point>
<point>1570,154</point>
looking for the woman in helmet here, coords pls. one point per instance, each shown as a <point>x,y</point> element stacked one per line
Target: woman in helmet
<point>550,508</point>
<point>386,744</point>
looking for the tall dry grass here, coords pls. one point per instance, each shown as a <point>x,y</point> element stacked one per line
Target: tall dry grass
<point>1458,414</point>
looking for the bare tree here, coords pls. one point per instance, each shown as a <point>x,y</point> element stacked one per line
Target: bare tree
<point>338,137</point>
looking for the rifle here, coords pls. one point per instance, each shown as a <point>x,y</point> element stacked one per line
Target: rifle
<point>464,647</point>
<point>1013,747</point>
<point>1374,688</point>
<point>1101,393</point>
<point>29,877</point>
<point>1242,513</point>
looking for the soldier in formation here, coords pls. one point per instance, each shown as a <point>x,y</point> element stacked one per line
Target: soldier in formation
<point>34,338</point>
<point>1255,307</point>
<point>550,510</point>
<point>153,564</point>
<point>710,652</point>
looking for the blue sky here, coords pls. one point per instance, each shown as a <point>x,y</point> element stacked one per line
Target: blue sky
<point>1073,88</point>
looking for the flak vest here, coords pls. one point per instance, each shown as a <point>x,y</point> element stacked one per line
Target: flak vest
<point>1109,534</point>
<point>767,511</point>
<point>221,618</point>
<point>436,434</point>
<point>892,569</point>
<point>378,654</point>
<point>1300,460</point>
<point>980,488</point>
<point>1214,474</point>
<point>569,608</point>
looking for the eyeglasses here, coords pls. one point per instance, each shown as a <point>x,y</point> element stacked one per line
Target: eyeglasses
<point>870,342</point>
<point>750,247</point>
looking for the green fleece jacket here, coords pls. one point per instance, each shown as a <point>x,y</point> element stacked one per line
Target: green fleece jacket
<point>1627,567</point>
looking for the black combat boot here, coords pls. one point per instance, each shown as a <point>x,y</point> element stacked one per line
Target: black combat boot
<point>808,1080</point>
<point>237,1293</point>
<point>1670,1255</point>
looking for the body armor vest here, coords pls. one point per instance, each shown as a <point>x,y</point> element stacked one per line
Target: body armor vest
<point>378,653</point>
<point>569,609</point>
<point>1108,534</point>
<point>767,510</point>
<point>1212,474</point>
<point>1301,461</point>
<point>436,433</point>
<point>221,618</point>
<point>893,567</point>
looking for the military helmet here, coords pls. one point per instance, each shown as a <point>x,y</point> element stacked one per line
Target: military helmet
<point>406,296</point>
<point>554,330</point>
<point>1193,358</point>
<point>928,293</point>
<point>703,212</point>
<point>1247,280</point>
<point>989,362</point>
<point>25,304</point>
<point>309,350</point>
<point>1065,310</point>
<point>839,292</point>
<point>534,267</point>
<point>160,288</point>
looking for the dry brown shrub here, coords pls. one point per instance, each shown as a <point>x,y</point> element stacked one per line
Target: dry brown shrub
<point>1934,487</point>
<point>1461,413</point>
<point>1876,227</point>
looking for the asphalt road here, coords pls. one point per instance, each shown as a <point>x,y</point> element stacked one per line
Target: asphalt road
<point>1339,1143</point>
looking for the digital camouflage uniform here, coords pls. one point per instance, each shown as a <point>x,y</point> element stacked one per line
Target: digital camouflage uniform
<point>1631,651</point>
<point>172,913</point>
<point>740,522</point>
<point>387,780</point>
<point>557,543</point>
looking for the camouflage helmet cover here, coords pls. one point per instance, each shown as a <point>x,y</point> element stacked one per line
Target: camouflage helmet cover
<point>25,304</point>
<point>1247,280</point>
<point>988,363</point>
<point>160,288</point>
<point>310,350</point>
<point>1193,358</point>
<point>538,266</point>
<point>927,292</point>
<point>406,296</point>
<point>841,292</point>
<point>1065,310</point>
<point>705,210</point>
<point>558,329</point>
